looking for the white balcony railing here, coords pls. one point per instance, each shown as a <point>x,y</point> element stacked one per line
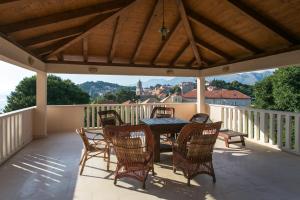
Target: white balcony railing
<point>132,113</point>
<point>15,131</point>
<point>275,128</point>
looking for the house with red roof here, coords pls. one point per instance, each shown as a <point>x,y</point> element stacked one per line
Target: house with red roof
<point>219,96</point>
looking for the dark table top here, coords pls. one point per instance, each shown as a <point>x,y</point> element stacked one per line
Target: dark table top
<point>163,121</point>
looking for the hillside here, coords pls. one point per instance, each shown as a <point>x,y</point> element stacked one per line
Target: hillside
<point>98,88</point>
<point>249,78</point>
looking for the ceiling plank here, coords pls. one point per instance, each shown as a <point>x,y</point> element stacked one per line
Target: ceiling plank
<point>213,49</point>
<point>189,32</point>
<point>144,33</point>
<point>198,19</point>
<point>265,22</point>
<point>52,36</point>
<point>66,15</point>
<point>90,27</point>
<point>165,43</point>
<point>180,52</point>
<point>114,40</point>
<point>85,49</point>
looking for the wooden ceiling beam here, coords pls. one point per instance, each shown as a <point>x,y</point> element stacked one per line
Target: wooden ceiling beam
<point>85,49</point>
<point>213,49</point>
<point>165,43</point>
<point>7,1</point>
<point>144,33</point>
<point>265,22</point>
<point>52,36</point>
<point>90,26</point>
<point>185,46</point>
<point>198,19</point>
<point>114,40</point>
<point>66,15</point>
<point>189,32</point>
<point>43,51</point>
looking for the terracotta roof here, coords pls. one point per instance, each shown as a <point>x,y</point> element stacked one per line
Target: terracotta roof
<point>217,94</point>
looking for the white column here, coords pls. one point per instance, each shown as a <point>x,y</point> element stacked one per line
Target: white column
<point>40,119</point>
<point>200,95</point>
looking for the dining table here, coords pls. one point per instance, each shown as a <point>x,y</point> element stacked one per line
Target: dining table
<point>161,126</point>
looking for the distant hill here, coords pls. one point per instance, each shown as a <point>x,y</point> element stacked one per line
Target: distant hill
<point>249,78</point>
<point>98,88</point>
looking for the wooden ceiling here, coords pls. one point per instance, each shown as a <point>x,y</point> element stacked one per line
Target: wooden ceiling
<point>203,34</point>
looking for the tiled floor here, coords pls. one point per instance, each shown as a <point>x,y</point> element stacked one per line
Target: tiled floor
<point>48,169</point>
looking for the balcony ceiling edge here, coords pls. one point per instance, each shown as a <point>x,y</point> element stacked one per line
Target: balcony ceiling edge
<point>13,54</point>
<point>284,59</point>
<point>73,68</point>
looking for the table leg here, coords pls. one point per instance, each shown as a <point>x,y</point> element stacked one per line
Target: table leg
<point>243,140</point>
<point>156,147</point>
<point>226,142</point>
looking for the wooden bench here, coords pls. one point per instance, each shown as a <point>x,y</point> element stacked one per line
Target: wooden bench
<point>228,134</point>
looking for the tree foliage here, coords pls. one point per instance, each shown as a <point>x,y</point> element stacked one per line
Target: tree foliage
<point>281,91</point>
<point>60,92</point>
<point>121,95</point>
<point>175,90</point>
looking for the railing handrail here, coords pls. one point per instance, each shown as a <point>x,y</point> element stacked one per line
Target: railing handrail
<point>17,111</point>
<point>133,104</point>
<point>257,109</point>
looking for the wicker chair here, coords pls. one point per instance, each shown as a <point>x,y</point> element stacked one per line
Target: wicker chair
<point>162,112</point>
<point>200,118</point>
<point>110,117</point>
<point>192,151</point>
<point>133,145</point>
<point>93,149</point>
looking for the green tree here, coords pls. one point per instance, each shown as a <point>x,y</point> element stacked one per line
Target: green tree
<point>60,92</point>
<point>263,94</point>
<point>125,94</point>
<point>286,89</point>
<point>176,89</point>
<point>281,91</point>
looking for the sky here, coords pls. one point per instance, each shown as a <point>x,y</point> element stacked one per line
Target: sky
<point>11,75</point>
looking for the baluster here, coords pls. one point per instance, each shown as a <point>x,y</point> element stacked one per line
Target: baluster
<point>279,130</point>
<point>93,116</point>
<point>262,127</point>
<point>297,133</point>
<point>131,115</point>
<point>234,119</point>
<point>136,114</point>
<point>250,124</point>
<point>272,130</point>
<point>288,132</point>
<point>225,118</point>
<point>222,117</point>
<point>244,122</point>
<point>240,120</point>
<point>127,113</point>
<point>1,140</point>
<point>4,142</point>
<point>256,125</point>
<point>88,117</point>
<point>97,116</point>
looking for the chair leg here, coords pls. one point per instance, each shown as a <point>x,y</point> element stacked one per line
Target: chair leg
<point>108,159</point>
<point>189,182</point>
<point>213,172</point>
<point>81,159</point>
<point>83,164</point>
